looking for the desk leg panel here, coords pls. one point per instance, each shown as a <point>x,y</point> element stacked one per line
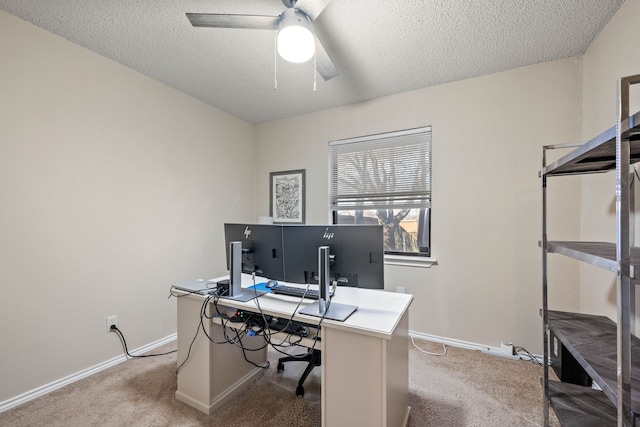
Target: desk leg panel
<point>213,372</point>
<point>364,378</point>
<point>229,370</point>
<point>193,376</point>
<point>397,375</point>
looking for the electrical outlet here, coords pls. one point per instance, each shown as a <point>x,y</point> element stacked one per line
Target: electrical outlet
<point>111,321</point>
<point>506,347</point>
<point>401,289</point>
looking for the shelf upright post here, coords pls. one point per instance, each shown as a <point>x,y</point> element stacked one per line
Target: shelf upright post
<point>624,292</point>
<point>545,311</point>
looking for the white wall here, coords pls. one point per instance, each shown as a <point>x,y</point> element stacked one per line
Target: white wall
<point>487,139</point>
<point>112,187</point>
<point>612,55</point>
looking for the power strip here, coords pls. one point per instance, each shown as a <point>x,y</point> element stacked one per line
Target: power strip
<point>499,352</point>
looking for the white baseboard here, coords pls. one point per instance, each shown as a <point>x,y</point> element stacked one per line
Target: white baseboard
<point>55,385</point>
<point>494,351</point>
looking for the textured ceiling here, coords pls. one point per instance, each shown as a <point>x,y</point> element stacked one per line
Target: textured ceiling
<point>380,47</point>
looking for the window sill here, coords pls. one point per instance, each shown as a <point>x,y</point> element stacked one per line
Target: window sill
<point>410,261</point>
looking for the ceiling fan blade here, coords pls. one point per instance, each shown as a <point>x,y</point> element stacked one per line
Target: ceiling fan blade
<point>323,63</point>
<point>256,22</point>
<point>312,8</point>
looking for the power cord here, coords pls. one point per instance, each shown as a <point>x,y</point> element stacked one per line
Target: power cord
<point>444,349</point>
<point>241,332</point>
<point>115,329</point>
<point>225,319</point>
<point>518,350</point>
<point>286,342</point>
<point>202,311</point>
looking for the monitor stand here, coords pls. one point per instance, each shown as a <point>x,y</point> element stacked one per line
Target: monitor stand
<point>324,307</point>
<point>236,291</point>
<point>244,295</point>
<point>333,311</point>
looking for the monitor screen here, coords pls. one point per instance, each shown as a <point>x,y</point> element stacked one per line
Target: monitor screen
<point>262,251</point>
<point>356,253</point>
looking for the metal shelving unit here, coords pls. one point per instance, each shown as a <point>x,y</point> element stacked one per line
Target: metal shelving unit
<point>597,347</point>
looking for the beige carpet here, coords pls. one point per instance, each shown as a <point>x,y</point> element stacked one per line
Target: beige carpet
<point>462,388</point>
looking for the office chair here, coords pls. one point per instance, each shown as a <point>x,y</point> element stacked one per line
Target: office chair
<point>312,357</point>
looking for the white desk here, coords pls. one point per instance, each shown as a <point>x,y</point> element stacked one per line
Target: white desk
<point>364,380</point>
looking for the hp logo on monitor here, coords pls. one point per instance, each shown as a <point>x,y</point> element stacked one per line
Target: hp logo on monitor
<point>327,235</point>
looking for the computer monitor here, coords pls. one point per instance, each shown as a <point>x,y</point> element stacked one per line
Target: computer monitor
<point>356,254</point>
<point>262,251</point>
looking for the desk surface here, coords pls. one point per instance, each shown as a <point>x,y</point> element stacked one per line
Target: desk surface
<point>378,311</point>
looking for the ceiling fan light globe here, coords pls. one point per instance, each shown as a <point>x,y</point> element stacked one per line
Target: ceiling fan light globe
<point>296,44</point>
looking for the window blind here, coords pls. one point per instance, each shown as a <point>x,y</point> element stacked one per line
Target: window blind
<point>383,171</point>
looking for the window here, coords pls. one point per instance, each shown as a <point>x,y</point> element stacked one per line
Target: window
<point>385,179</point>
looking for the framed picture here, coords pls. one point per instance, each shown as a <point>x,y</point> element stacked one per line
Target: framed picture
<point>287,197</point>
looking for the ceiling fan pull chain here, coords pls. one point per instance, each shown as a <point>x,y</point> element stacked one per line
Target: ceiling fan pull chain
<point>275,63</point>
<point>315,75</point>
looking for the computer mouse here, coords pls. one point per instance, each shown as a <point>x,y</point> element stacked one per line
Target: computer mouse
<point>270,284</point>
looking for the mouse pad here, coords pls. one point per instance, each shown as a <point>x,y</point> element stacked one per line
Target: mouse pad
<point>260,287</point>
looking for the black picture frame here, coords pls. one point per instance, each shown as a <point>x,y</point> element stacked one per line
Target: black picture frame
<point>287,198</point>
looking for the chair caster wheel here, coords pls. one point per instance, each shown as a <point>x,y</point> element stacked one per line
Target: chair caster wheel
<point>300,391</point>
<point>280,367</point>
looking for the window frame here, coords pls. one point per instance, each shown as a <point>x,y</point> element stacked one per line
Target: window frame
<point>419,259</point>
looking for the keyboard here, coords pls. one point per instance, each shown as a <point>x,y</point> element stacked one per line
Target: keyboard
<point>296,292</point>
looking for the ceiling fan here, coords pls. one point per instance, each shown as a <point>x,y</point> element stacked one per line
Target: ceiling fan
<point>295,41</point>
